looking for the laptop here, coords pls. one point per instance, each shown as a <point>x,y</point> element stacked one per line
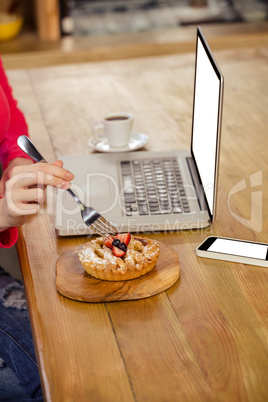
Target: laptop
<point>154,191</point>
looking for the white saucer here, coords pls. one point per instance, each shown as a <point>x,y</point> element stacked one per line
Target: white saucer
<point>100,143</point>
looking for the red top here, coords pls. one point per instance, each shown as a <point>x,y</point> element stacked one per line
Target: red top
<point>8,237</point>
<point>12,125</point>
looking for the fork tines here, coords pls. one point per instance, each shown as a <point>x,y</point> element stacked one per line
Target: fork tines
<point>104,227</point>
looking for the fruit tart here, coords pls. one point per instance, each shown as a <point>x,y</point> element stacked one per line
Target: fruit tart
<point>121,258</point>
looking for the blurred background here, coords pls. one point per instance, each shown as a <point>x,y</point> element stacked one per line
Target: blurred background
<point>49,20</point>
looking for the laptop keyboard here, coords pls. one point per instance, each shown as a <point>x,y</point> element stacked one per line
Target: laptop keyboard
<point>153,187</point>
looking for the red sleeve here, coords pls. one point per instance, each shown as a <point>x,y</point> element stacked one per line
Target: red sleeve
<point>8,237</point>
<point>17,125</point>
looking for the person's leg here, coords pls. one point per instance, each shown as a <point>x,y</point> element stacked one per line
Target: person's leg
<point>10,388</point>
<point>17,358</point>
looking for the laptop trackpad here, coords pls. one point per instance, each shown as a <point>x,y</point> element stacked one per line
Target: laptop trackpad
<point>100,191</point>
<point>98,187</point>
<point>96,190</point>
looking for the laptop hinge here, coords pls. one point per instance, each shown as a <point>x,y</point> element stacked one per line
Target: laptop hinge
<point>197,185</point>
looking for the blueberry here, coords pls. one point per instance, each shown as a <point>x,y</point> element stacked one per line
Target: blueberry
<point>123,246</point>
<point>116,242</point>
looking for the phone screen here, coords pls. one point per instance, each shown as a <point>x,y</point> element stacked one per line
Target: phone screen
<point>239,248</point>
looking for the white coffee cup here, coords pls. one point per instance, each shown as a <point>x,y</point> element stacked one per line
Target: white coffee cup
<point>117,128</point>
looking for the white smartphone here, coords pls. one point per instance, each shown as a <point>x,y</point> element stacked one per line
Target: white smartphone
<point>222,248</point>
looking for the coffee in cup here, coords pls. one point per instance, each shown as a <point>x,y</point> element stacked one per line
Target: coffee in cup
<point>117,128</point>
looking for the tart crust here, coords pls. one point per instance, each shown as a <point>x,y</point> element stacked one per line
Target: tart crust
<point>99,261</point>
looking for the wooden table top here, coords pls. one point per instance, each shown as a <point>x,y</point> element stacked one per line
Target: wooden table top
<point>204,339</point>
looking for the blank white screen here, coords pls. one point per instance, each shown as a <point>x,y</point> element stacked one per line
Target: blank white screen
<point>205,123</point>
<point>239,248</point>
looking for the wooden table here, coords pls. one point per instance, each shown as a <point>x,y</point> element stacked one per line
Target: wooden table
<point>205,339</point>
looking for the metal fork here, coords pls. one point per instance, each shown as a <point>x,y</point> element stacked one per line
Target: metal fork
<point>91,217</point>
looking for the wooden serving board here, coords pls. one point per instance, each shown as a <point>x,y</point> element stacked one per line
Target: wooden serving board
<point>74,282</point>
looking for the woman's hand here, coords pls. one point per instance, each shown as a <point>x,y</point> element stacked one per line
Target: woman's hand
<point>25,190</point>
<point>7,172</point>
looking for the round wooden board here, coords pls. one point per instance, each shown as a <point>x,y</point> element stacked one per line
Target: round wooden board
<point>74,282</point>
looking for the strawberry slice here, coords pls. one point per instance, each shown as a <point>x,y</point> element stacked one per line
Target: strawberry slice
<point>124,237</point>
<point>117,252</point>
<point>109,242</point>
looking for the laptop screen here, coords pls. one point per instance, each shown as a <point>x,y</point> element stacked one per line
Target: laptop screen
<point>206,119</point>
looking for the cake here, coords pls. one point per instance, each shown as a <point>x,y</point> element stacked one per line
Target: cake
<point>101,259</point>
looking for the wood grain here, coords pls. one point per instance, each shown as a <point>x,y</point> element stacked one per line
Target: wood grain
<point>204,339</point>
<point>73,282</point>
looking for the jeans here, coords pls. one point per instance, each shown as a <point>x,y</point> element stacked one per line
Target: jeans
<point>19,377</point>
